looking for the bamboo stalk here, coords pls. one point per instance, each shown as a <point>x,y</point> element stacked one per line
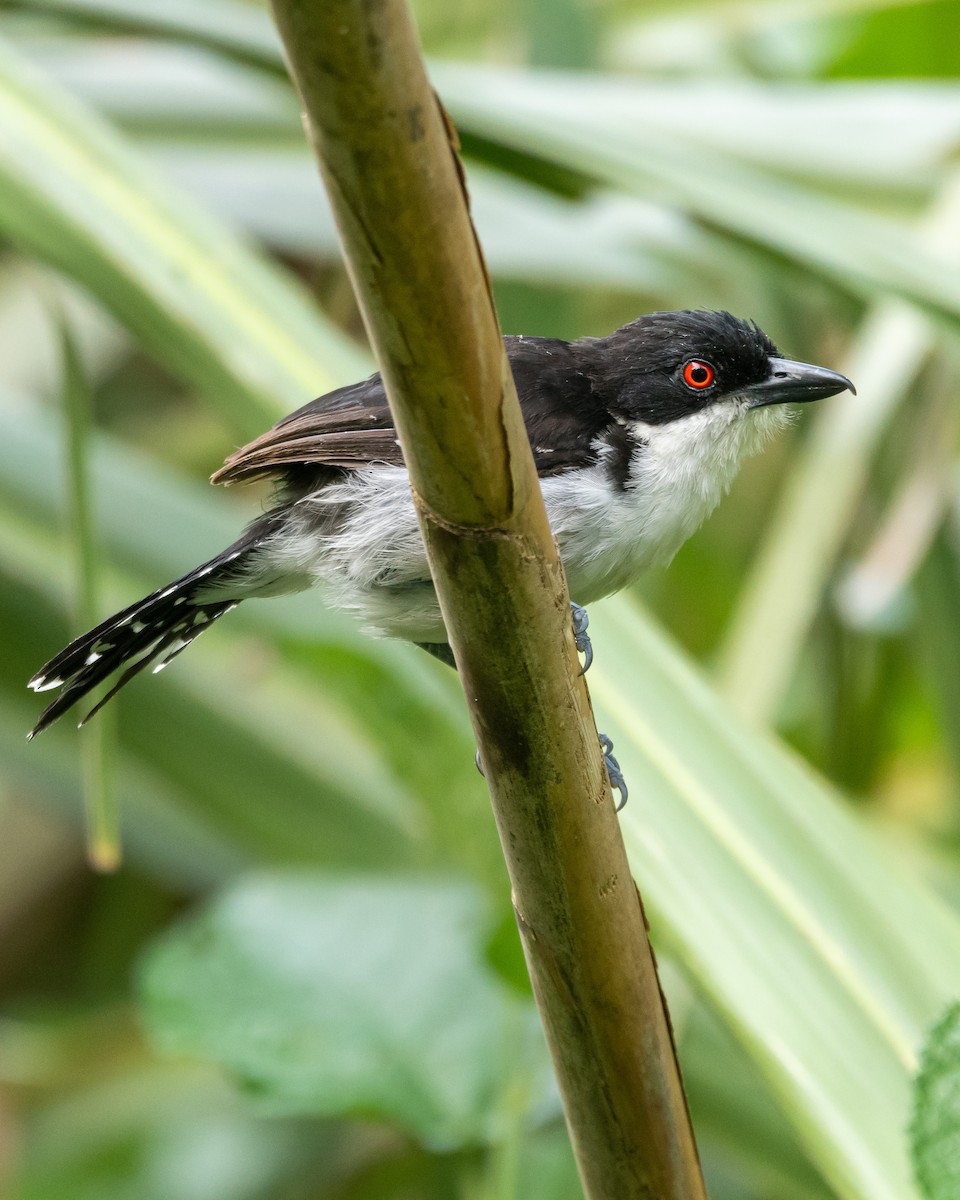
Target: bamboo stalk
<point>389,161</point>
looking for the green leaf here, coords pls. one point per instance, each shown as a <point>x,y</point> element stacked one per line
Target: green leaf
<point>527,233</point>
<point>216,313</point>
<point>935,1128</point>
<point>741,1134</point>
<point>151,1133</point>
<point>269,186</point>
<point>825,959</point>
<point>601,131</point>
<point>350,996</point>
<point>878,140</point>
<point>792,565</point>
<point>102,816</point>
<point>235,29</point>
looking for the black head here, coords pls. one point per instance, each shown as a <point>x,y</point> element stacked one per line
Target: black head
<point>667,365</point>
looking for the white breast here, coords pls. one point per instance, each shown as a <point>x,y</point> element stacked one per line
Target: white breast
<point>607,537</point>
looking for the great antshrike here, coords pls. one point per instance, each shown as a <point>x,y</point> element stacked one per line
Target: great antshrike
<point>636,436</point>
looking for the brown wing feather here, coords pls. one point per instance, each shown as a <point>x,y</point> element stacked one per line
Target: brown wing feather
<point>352,426</point>
<point>345,429</point>
<point>342,439</point>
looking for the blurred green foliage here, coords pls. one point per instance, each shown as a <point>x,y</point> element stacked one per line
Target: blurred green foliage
<point>312,793</point>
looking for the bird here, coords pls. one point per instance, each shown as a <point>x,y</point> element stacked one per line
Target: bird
<point>636,436</point>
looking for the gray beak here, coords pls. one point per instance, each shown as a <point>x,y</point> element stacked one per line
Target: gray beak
<point>795,383</point>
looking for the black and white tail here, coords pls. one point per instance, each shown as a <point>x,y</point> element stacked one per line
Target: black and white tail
<point>154,630</point>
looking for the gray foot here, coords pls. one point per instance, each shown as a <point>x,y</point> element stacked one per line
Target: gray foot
<point>580,635</point>
<point>617,781</point>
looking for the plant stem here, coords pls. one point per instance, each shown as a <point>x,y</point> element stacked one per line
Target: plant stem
<point>102,817</point>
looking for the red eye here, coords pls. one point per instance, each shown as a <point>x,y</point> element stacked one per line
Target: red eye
<point>698,374</point>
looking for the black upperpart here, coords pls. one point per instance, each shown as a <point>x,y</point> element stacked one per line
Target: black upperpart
<point>579,399</point>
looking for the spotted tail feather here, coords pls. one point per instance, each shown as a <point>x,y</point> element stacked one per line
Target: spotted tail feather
<point>154,630</point>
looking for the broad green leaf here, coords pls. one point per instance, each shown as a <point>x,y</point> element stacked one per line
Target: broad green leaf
<point>204,303</point>
<point>527,233</point>
<point>272,189</point>
<point>657,142</point>
<point>619,134</point>
<point>824,957</point>
<point>862,136</point>
<point>935,1128</point>
<point>890,141</point>
<point>351,997</point>
<point>746,1145</point>
<point>562,120</point>
<point>795,558</point>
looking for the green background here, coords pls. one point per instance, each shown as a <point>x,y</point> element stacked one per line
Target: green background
<point>305,981</point>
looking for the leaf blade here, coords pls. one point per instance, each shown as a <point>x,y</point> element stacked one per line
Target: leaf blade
<point>847,957</point>
<point>209,307</point>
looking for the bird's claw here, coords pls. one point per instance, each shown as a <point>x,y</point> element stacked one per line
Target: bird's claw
<point>580,635</point>
<point>617,781</point>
